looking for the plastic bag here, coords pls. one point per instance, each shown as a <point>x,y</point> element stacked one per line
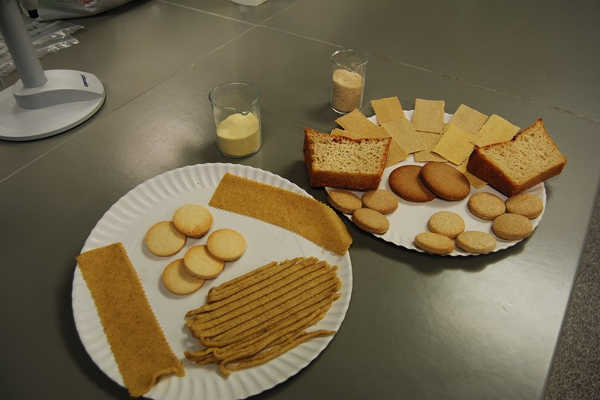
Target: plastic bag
<point>60,9</point>
<point>47,37</point>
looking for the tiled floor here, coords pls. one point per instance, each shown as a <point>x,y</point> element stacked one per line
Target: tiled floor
<point>476,327</point>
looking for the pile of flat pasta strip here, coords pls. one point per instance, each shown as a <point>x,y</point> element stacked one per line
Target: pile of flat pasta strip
<point>258,316</point>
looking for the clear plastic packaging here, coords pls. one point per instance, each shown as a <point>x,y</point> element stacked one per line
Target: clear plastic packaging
<point>47,37</point>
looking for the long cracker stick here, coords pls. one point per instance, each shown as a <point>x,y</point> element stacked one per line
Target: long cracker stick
<point>280,304</point>
<point>240,332</point>
<point>226,289</point>
<point>263,295</point>
<point>263,358</point>
<point>209,311</point>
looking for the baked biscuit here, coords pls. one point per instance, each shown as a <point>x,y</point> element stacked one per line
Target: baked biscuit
<point>512,226</point>
<point>405,182</point>
<point>476,242</point>
<point>486,205</point>
<point>445,181</point>
<point>525,204</point>
<point>201,264</point>
<point>178,280</point>
<point>380,200</point>
<point>446,223</point>
<point>226,244</point>
<point>344,201</point>
<point>163,239</point>
<point>434,243</point>
<point>192,220</point>
<point>370,220</point>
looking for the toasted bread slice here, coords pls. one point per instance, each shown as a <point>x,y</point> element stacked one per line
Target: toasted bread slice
<point>511,167</point>
<point>343,162</point>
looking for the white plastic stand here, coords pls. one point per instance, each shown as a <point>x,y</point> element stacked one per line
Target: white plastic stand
<point>41,103</point>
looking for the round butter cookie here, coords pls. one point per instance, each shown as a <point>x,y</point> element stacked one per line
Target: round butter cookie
<point>380,200</point>
<point>405,182</point>
<point>226,244</point>
<point>178,280</point>
<point>525,204</point>
<point>192,220</point>
<point>486,205</point>
<point>446,223</point>
<point>434,243</point>
<point>445,181</point>
<point>163,239</point>
<point>371,220</point>
<point>512,226</point>
<point>201,264</point>
<point>476,242</point>
<point>344,201</point>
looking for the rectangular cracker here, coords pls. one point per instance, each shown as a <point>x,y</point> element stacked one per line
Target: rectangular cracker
<point>454,145</point>
<point>135,337</point>
<point>468,119</point>
<point>357,123</point>
<point>346,133</point>
<point>495,130</point>
<point>388,109</point>
<point>295,212</point>
<point>474,180</point>
<point>403,133</point>
<point>429,115</point>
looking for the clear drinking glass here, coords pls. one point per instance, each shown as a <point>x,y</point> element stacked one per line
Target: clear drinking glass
<point>236,111</point>
<point>348,76</point>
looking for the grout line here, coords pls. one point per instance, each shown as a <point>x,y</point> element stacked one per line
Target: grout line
<point>206,12</point>
<point>27,164</point>
<point>277,13</point>
<point>299,36</point>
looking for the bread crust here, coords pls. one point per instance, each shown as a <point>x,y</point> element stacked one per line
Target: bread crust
<point>354,181</point>
<point>483,168</point>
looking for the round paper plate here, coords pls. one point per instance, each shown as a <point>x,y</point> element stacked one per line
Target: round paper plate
<point>155,200</point>
<point>410,218</point>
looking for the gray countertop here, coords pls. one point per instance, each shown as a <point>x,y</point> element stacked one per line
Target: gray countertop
<point>418,326</point>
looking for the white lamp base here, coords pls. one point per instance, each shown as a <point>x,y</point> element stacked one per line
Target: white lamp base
<point>66,100</point>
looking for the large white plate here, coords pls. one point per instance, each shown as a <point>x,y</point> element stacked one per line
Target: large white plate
<point>410,218</point>
<point>155,200</point>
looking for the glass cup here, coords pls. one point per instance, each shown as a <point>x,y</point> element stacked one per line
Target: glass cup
<point>236,111</point>
<point>348,74</point>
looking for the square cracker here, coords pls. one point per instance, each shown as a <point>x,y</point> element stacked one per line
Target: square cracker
<point>358,124</point>
<point>468,119</point>
<point>405,135</point>
<point>430,140</point>
<point>346,133</point>
<point>454,145</point>
<point>388,109</point>
<point>427,155</point>
<point>429,115</point>
<point>474,180</point>
<point>495,130</point>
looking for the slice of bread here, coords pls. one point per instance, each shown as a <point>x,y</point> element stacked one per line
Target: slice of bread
<point>339,161</point>
<point>529,158</point>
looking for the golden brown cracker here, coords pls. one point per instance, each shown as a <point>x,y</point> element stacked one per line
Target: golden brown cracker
<point>495,130</point>
<point>468,119</point>
<point>298,213</point>
<point>454,145</point>
<point>135,337</point>
<point>403,133</point>
<point>429,115</point>
<point>388,109</point>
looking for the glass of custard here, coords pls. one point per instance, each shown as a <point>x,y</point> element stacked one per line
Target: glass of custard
<point>348,73</point>
<point>236,111</point>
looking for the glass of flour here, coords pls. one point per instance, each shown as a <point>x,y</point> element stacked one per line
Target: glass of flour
<point>236,111</point>
<point>348,73</point>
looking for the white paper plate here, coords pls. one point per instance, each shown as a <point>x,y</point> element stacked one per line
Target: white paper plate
<point>155,200</point>
<point>410,218</point>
